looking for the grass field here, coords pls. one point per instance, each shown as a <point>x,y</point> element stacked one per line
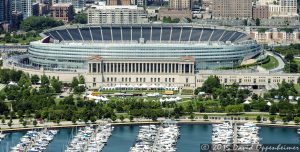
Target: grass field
<point>273,63</point>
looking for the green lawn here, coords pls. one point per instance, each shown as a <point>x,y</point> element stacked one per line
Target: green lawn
<point>273,63</point>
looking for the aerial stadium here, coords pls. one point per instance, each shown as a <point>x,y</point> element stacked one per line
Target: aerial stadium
<point>152,54</point>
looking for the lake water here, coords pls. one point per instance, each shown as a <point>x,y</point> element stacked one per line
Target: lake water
<point>123,137</point>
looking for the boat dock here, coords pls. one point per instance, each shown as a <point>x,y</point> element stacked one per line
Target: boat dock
<point>90,139</point>
<point>157,138</point>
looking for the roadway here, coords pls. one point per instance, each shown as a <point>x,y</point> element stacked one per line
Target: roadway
<point>281,63</point>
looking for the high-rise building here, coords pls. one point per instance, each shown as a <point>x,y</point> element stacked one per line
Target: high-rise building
<point>76,3</point>
<point>23,6</point>
<point>101,14</point>
<point>260,12</point>
<point>179,4</point>
<point>5,10</point>
<point>232,9</point>
<point>280,8</point>
<point>16,18</point>
<point>62,11</point>
<point>35,9</point>
<point>118,2</point>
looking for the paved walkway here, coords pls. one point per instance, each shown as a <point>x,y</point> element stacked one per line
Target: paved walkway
<point>18,126</point>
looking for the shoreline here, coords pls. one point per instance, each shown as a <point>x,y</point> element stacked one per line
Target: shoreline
<point>180,122</point>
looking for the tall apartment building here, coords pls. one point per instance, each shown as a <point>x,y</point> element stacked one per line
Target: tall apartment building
<point>101,14</point>
<point>118,2</point>
<point>260,12</point>
<point>23,6</point>
<point>232,9</point>
<point>179,4</point>
<point>280,8</point>
<point>5,10</point>
<point>62,11</point>
<point>75,3</point>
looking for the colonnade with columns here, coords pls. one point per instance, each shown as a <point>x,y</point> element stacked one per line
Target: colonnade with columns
<point>141,67</point>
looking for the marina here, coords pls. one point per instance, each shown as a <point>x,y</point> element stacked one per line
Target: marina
<point>35,141</point>
<point>90,139</point>
<point>232,134</point>
<point>157,138</point>
<point>124,136</point>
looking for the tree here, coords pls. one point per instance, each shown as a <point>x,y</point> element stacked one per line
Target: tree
<point>192,117</point>
<point>74,82</point>
<point>24,123</point>
<point>21,120</point>
<point>35,79</point>
<point>291,67</point>
<point>190,108</point>
<point>211,83</point>
<point>44,80</point>
<point>56,85</point>
<point>74,120</point>
<point>257,22</point>
<point>234,109</point>
<point>258,118</point>
<point>39,23</point>
<point>93,119</point>
<point>273,109</point>
<point>121,117</point>
<point>57,120</point>
<point>20,113</point>
<point>284,120</point>
<point>205,117</point>
<point>272,119</point>
<point>34,123</point>
<point>81,79</point>
<point>80,18</point>
<point>296,120</point>
<point>289,57</point>
<point>113,118</point>
<point>131,118</point>
<point>3,120</point>
<point>24,81</point>
<point>9,124</point>
<point>154,117</point>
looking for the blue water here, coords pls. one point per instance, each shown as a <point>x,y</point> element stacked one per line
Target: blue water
<point>278,135</point>
<point>192,135</point>
<point>122,139</point>
<point>10,140</point>
<point>61,140</point>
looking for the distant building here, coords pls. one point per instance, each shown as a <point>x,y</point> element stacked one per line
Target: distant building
<point>101,14</point>
<point>280,8</point>
<point>206,4</point>
<point>118,2</point>
<point>77,4</point>
<point>62,11</point>
<point>16,18</point>
<point>179,4</point>
<point>277,36</point>
<point>173,13</point>
<point>43,9</point>
<point>260,12</point>
<point>5,10</point>
<point>240,9</point>
<point>35,9</point>
<point>23,6</point>
<point>138,2</point>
